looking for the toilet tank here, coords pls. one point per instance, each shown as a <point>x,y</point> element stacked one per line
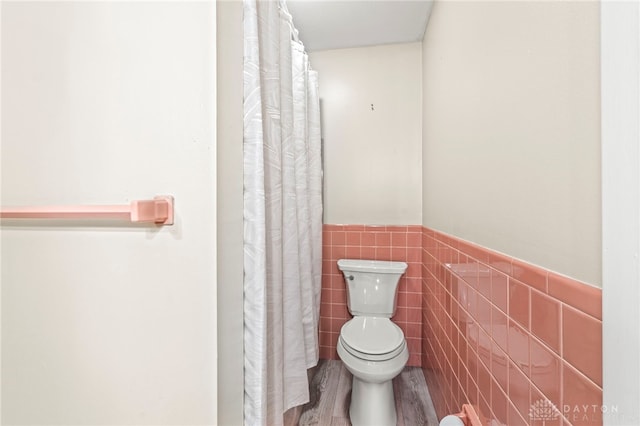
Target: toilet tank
<point>371,286</point>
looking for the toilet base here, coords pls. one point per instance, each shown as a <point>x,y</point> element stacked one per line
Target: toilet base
<point>372,404</point>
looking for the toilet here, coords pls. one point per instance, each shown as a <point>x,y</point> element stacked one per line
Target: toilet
<point>370,345</point>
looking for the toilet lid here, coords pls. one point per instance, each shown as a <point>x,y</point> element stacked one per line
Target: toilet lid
<point>372,336</point>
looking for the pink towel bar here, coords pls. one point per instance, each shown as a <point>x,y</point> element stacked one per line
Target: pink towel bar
<point>158,211</point>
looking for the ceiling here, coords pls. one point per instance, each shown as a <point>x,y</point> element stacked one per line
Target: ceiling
<point>337,24</point>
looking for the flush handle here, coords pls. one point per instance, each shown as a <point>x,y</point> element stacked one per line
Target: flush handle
<point>349,277</point>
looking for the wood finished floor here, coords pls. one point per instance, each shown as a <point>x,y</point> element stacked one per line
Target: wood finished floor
<point>330,394</point>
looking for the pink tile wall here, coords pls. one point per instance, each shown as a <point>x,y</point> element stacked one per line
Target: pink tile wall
<point>487,329</point>
<point>505,335</point>
<point>400,243</point>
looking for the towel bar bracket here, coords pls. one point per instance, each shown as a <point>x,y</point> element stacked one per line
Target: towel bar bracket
<point>159,210</point>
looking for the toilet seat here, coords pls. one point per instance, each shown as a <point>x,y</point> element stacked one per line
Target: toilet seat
<point>370,357</point>
<point>372,339</point>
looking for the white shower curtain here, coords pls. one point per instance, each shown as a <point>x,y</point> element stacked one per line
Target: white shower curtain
<point>282,214</point>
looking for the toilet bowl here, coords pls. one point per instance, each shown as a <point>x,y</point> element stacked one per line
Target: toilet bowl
<point>373,367</point>
<point>370,345</point>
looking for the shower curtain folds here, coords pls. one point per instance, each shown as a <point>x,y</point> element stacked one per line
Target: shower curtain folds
<point>282,214</point>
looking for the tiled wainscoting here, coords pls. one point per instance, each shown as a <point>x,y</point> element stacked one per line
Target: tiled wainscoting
<point>508,336</point>
<point>489,330</point>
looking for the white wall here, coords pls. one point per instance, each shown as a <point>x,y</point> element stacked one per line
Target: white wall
<point>621,208</point>
<point>104,323</point>
<point>511,130</point>
<point>372,172</point>
<point>230,214</point>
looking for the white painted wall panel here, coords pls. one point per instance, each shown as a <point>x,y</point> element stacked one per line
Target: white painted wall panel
<point>511,130</point>
<point>104,323</point>
<point>620,211</point>
<point>372,170</point>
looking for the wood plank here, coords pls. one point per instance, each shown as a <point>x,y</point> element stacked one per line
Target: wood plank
<point>343,393</point>
<point>417,408</point>
<point>322,394</point>
<point>330,396</point>
<point>340,421</point>
<point>292,416</point>
<point>397,392</point>
<point>430,410</point>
